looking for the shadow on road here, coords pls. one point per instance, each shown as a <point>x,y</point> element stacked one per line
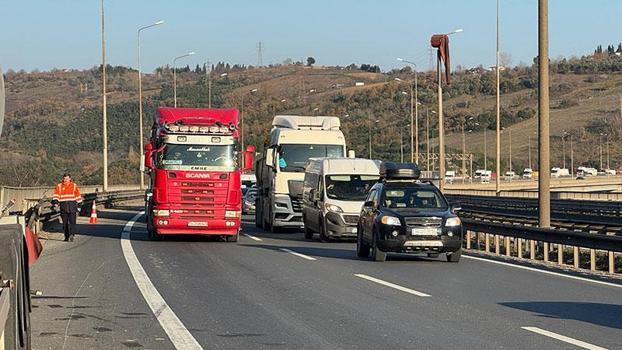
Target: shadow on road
<point>345,254</point>
<point>607,315</point>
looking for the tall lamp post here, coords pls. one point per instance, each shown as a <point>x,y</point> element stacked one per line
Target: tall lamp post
<point>175,75</point>
<point>140,97</point>
<point>441,132</point>
<point>104,105</point>
<point>414,124</point>
<point>498,136</point>
<point>242,118</point>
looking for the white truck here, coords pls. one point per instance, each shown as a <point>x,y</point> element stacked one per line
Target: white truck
<point>559,172</point>
<point>333,193</point>
<point>280,169</point>
<point>482,175</point>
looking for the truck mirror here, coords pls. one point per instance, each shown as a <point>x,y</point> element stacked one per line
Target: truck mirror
<point>249,157</point>
<point>270,158</point>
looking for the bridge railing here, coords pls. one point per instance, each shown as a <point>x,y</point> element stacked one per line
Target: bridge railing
<point>596,196</point>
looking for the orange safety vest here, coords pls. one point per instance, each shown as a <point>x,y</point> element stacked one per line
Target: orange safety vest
<point>67,193</point>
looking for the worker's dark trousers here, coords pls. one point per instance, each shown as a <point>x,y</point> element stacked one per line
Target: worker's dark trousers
<point>69,223</point>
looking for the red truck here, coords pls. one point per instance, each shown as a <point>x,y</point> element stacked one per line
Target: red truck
<point>194,161</point>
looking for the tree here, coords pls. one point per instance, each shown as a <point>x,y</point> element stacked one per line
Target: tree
<point>310,61</point>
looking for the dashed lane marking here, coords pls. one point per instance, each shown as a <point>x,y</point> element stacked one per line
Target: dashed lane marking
<point>252,237</point>
<point>564,338</point>
<point>544,271</point>
<point>174,328</point>
<point>310,258</point>
<point>392,285</point>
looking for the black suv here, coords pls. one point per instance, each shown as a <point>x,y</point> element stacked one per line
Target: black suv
<point>405,215</point>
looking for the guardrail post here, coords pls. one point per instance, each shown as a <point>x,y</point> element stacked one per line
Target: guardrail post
<point>532,249</point>
<point>508,250</point>
<point>576,257</point>
<point>546,251</point>
<point>592,260</point>
<point>612,262</point>
<point>560,254</point>
<point>487,242</point>
<point>468,239</point>
<point>519,248</point>
<point>497,248</point>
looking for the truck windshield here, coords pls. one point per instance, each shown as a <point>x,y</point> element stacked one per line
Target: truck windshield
<point>177,156</point>
<point>294,158</point>
<point>349,187</point>
<point>404,196</point>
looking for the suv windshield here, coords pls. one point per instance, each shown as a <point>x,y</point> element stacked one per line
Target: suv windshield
<point>294,158</point>
<point>181,156</point>
<point>402,195</point>
<point>349,187</point>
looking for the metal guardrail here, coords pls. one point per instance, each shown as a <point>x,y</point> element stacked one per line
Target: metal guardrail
<point>555,194</point>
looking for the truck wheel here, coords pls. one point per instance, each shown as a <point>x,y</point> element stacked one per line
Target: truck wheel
<point>258,219</point>
<point>455,256</point>
<point>377,254</point>
<point>233,238</point>
<point>323,236</point>
<point>362,248</point>
<point>308,232</point>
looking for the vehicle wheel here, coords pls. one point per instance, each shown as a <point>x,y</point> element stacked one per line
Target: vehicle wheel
<point>258,218</point>
<point>377,254</point>
<point>362,248</point>
<point>455,256</point>
<point>308,232</point>
<point>323,236</point>
<point>233,238</point>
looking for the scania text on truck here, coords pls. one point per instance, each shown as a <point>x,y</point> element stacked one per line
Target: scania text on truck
<point>194,161</point>
<point>281,168</point>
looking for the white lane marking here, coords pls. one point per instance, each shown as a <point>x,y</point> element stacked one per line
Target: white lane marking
<point>564,338</point>
<point>252,237</point>
<point>174,328</point>
<point>544,271</point>
<point>310,258</point>
<point>392,285</point>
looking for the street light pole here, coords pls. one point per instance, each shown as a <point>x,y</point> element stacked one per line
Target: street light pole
<point>140,99</point>
<point>571,158</point>
<point>544,194</point>
<point>414,124</point>
<point>498,136</point>
<point>242,118</point>
<point>564,149</point>
<point>600,149</point>
<point>175,75</point>
<point>607,137</point>
<point>208,74</point>
<point>427,136</point>
<point>485,155</point>
<point>104,105</point>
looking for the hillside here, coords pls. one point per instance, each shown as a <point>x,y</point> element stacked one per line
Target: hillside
<point>54,118</point>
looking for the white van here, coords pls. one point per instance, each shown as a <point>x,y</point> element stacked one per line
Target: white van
<point>333,193</point>
<point>450,176</point>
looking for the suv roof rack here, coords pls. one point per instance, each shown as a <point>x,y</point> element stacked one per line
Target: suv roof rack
<point>394,170</point>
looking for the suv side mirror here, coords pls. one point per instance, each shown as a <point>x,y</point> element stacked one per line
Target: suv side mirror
<point>455,207</point>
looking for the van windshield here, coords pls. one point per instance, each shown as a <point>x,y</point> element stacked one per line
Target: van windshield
<point>349,187</point>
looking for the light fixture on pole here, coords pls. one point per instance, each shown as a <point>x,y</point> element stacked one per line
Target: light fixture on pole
<point>242,118</point>
<point>175,76</point>
<point>140,99</point>
<point>414,124</point>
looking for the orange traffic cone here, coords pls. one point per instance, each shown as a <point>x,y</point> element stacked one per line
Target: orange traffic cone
<point>93,214</point>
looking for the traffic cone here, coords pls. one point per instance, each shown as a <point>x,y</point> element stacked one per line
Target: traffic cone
<point>93,214</point>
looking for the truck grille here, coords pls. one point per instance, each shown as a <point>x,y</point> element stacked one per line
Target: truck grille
<point>424,221</point>
<point>351,219</point>
<point>296,204</point>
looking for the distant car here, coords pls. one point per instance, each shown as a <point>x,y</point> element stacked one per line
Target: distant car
<point>404,215</point>
<point>248,203</point>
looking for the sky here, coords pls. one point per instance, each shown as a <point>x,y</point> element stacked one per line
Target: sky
<point>45,34</point>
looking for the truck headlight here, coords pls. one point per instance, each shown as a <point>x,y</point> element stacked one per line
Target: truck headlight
<point>232,213</point>
<point>161,212</point>
<point>390,220</point>
<point>453,222</point>
<point>333,208</point>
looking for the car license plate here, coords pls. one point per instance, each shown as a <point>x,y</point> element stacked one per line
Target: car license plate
<point>425,231</point>
<point>423,244</point>
<point>354,230</point>
<point>197,224</point>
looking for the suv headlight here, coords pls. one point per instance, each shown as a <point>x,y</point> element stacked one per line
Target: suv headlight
<point>453,222</point>
<point>391,220</point>
<point>333,208</point>
<point>161,212</point>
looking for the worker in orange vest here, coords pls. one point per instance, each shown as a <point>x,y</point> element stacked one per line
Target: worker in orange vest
<point>67,198</point>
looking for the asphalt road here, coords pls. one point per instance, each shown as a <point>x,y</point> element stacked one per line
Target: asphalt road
<point>281,291</point>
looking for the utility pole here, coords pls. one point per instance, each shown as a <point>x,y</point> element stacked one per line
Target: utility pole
<point>571,158</point>
<point>608,165</point>
<point>564,149</point>
<point>104,105</point>
<point>510,130</point>
<point>485,155</point>
<point>498,159</point>
<point>544,194</point>
<point>463,152</point>
<point>529,140</point>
